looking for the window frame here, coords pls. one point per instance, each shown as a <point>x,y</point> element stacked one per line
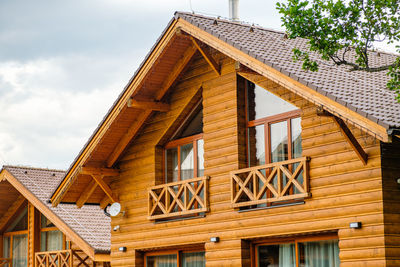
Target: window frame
<point>288,240</point>
<point>267,122</point>
<point>178,143</point>
<point>177,252</point>
<point>50,229</point>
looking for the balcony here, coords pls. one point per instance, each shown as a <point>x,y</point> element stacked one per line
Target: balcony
<point>270,184</point>
<point>178,199</point>
<point>61,258</point>
<point>4,262</point>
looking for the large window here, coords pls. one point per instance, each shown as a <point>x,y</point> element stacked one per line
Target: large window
<point>302,252</point>
<point>176,259</point>
<point>51,239</point>
<point>273,127</point>
<point>184,154</point>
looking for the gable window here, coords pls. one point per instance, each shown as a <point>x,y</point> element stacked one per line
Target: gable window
<point>51,239</point>
<point>312,251</point>
<point>184,155</point>
<point>273,127</point>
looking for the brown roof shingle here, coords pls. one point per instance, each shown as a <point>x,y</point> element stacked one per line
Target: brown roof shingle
<point>89,222</point>
<point>363,92</point>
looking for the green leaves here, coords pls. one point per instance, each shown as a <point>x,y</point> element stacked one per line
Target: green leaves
<point>335,27</point>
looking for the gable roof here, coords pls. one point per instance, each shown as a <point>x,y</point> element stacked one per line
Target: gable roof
<point>89,223</point>
<point>358,97</point>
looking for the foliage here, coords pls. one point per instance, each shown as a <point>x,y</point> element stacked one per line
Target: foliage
<point>336,27</point>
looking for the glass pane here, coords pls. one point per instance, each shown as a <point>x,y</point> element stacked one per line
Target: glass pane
<point>51,241</point>
<point>6,247</point>
<point>296,137</point>
<point>200,158</point>
<point>193,259</point>
<point>20,223</point>
<point>20,251</point>
<point>45,223</point>
<point>187,161</point>
<point>321,254</point>
<point>193,126</point>
<point>171,165</point>
<point>162,261</point>
<point>256,145</point>
<point>262,103</point>
<point>283,255</point>
<point>279,141</point>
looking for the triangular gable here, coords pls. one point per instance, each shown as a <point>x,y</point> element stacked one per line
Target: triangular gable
<point>7,177</point>
<point>200,30</point>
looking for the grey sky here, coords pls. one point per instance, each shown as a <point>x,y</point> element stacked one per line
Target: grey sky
<point>63,63</point>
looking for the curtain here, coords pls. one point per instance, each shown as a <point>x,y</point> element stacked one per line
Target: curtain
<point>187,161</point>
<point>322,254</point>
<point>20,251</point>
<point>51,241</point>
<point>287,255</point>
<point>162,261</point>
<point>193,259</point>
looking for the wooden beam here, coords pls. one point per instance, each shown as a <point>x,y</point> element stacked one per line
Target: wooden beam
<point>86,193</point>
<point>134,129</point>
<point>99,180</point>
<point>10,213</point>
<point>99,171</point>
<point>149,105</point>
<point>104,202</point>
<point>351,139</point>
<point>210,60</point>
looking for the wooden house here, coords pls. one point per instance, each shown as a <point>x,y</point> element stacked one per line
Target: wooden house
<point>33,233</point>
<point>222,151</point>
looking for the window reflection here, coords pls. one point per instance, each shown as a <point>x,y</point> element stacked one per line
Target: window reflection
<point>256,145</point>
<point>171,162</point>
<point>279,141</point>
<point>200,158</point>
<point>187,161</point>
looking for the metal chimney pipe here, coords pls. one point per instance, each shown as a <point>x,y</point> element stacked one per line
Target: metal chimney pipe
<point>234,10</point>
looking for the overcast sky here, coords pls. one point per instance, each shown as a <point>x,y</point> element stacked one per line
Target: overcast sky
<point>63,63</point>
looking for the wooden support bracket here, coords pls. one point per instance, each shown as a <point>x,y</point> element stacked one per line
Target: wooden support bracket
<point>149,105</point>
<point>207,56</point>
<point>348,135</point>
<point>99,180</point>
<point>86,193</point>
<point>99,171</point>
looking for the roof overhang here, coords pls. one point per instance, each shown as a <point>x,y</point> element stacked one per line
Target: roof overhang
<point>176,27</point>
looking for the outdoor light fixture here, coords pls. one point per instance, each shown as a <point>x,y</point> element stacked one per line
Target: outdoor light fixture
<point>398,180</point>
<point>214,239</point>
<point>116,228</point>
<point>355,225</point>
<point>122,249</point>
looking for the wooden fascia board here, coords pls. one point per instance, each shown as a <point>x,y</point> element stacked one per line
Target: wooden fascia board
<point>285,81</point>
<point>58,222</point>
<point>118,107</point>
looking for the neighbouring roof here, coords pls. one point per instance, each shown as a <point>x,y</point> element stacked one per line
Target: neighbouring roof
<point>363,92</point>
<point>89,222</point>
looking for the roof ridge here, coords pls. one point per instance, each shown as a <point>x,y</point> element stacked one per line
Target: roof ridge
<point>31,168</point>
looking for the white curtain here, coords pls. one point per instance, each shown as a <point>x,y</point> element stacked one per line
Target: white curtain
<point>162,261</point>
<point>287,255</point>
<point>51,241</point>
<point>194,259</point>
<point>321,254</point>
<point>20,251</point>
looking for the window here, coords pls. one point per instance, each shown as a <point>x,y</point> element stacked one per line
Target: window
<point>176,259</point>
<point>51,238</point>
<point>184,155</point>
<point>273,127</point>
<point>302,252</point>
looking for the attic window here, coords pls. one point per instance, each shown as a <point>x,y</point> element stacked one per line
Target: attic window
<point>184,154</point>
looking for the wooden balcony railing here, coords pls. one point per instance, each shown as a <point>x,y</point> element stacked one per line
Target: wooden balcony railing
<point>276,182</point>
<point>60,258</point>
<point>5,262</point>
<point>178,199</point>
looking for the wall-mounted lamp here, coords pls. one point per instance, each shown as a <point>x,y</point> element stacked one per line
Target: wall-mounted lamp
<point>116,228</point>
<point>398,181</point>
<point>355,225</point>
<point>214,239</point>
<point>122,249</point>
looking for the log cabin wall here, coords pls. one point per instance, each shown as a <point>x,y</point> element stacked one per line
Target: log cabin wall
<point>391,196</point>
<point>343,189</point>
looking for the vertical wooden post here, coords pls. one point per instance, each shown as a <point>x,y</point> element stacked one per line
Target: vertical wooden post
<point>31,234</point>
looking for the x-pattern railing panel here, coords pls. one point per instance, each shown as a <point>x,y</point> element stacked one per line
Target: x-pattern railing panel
<point>178,199</point>
<point>4,261</point>
<point>60,258</point>
<point>279,181</point>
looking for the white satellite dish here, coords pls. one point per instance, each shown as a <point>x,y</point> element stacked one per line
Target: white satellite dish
<point>115,209</point>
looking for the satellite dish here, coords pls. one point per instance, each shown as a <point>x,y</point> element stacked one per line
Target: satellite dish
<point>115,209</point>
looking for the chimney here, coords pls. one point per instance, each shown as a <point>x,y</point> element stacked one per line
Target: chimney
<point>234,10</point>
